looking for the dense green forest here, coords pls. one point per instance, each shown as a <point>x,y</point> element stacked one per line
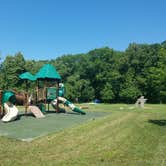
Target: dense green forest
<point>106,74</point>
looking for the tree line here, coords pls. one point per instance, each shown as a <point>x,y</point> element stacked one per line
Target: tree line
<point>106,74</point>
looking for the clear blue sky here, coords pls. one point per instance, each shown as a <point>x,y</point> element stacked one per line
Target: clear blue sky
<point>46,29</point>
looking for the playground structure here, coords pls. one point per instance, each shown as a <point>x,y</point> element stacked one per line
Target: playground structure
<point>52,91</point>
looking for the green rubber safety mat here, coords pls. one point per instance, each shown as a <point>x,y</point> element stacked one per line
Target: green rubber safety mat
<point>27,128</point>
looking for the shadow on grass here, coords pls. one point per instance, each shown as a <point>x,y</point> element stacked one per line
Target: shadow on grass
<point>63,112</point>
<point>26,115</point>
<point>19,117</point>
<point>158,122</point>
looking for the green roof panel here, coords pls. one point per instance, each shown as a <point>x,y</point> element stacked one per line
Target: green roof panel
<point>27,76</point>
<point>48,71</point>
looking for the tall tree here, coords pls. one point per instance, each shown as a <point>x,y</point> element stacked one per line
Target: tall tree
<point>12,67</point>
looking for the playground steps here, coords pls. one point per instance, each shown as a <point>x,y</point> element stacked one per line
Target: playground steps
<point>35,111</point>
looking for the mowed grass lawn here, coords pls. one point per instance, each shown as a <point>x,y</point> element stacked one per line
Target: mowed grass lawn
<point>127,136</point>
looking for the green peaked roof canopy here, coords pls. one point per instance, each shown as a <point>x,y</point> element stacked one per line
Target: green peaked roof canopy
<point>27,76</point>
<point>48,71</point>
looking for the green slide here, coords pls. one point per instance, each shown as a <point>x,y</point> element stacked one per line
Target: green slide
<point>69,104</point>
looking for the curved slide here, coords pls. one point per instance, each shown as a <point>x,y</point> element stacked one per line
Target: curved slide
<point>11,114</point>
<point>69,104</point>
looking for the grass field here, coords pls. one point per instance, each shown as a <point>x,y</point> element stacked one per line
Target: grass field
<point>127,136</point>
